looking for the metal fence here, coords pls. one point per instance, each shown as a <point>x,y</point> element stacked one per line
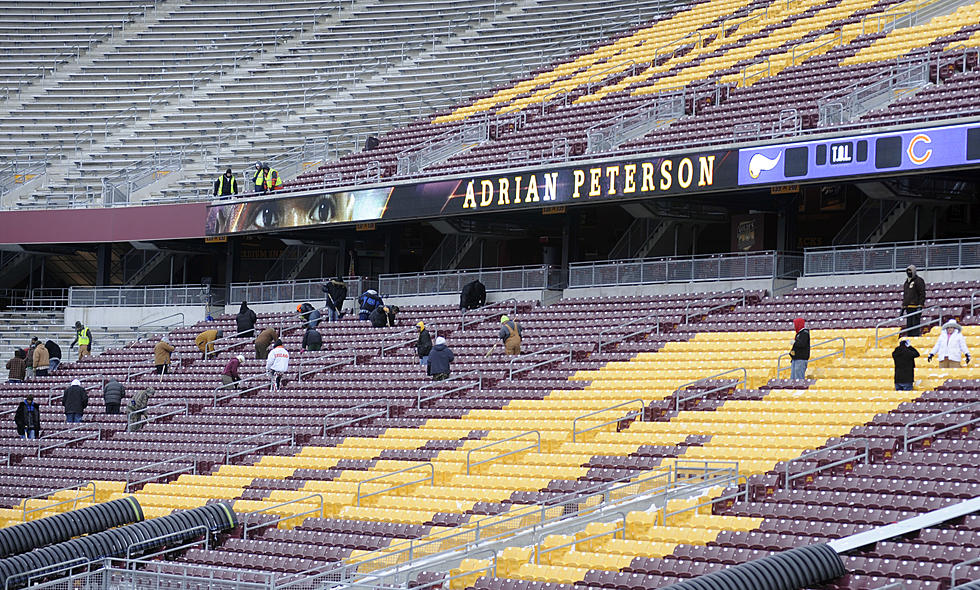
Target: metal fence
<point>894,257</point>
<point>685,269</point>
<point>515,278</point>
<point>293,291</point>
<point>148,296</point>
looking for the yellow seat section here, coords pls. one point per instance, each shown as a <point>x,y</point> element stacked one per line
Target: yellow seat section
<point>900,41</point>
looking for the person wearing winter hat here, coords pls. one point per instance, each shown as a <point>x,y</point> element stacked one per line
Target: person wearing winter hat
<point>258,178</point>
<point>230,376</point>
<point>511,334</point>
<point>800,353</point>
<point>368,301</point>
<point>205,342</point>
<point>161,355</point>
<point>913,299</point>
<point>75,401</point>
<point>424,344</point>
<point>440,357</point>
<point>950,346</point>
<point>83,337</point>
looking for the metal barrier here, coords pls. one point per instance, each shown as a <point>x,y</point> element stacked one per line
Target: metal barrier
<point>464,322</point>
<point>863,455</point>
<point>431,478</point>
<point>146,296</point>
<point>154,323</point>
<point>536,445</point>
<point>234,341</point>
<point>683,269</point>
<point>168,537</point>
<point>842,352</point>
<point>478,383</point>
<point>49,570</point>
<point>130,372</point>
<point>154,417</point>
<point>646,330</point>
<point>386,413</point>
<point>400,343</point>
<point>292,291</point>
<point>687,308</point>
<point>516,278</point>
<point>291,439</point>
<point>908,440</point>
<point>938,320</point>
<point>621,530</point>
<point>346,361</point>
<point>92,434</point>
<point>263,377</point>
<point>628,416</point>
<point>57,392</point>
<point>954,570</point>
<point>129,474</point>
<point>45,495</point>
<point>893,257</point>
<point>744,382</point>
<point>510,366</point>
<point>249,515</point>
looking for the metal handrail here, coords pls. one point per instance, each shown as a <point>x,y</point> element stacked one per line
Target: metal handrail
<point>600,343</point>
<point>153,418</point>
<point>937,320</point>
<point>687,308</point>
<point>398,344</point>
<point>148,542</point>
<point>43,496</point>
<point>139,373</point>
<point>842,352</point>
<point>237,335</point>
<point>265,523</point>
<point>131,472</point>
<point>973,303</point>
<point>952,571</point>
<point>431,478</point>
<point>510,365</point>
<point>52,391</point>
<point>291,439</point>
<point>538,551</point>
<point>907,440</point>
<point>744,382</point>
<point>536,445</point>
<point>153,323</point>
<point>239,392</point>
<point>864,455</point>
<point>629,415</point>
<point>386,413</point>
<point>464,323</point>
<point>478,383</point>
<point>47,570</point>
<point>96,434</point>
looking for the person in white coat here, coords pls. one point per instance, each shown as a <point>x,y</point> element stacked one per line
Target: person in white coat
<point>950,346</point>
<point>277,364</point>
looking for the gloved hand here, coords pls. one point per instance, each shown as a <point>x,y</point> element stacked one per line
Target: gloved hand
<point>968,359</point>
<point>929,360</point>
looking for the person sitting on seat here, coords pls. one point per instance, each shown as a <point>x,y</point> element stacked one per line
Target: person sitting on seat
<point>440,357</point>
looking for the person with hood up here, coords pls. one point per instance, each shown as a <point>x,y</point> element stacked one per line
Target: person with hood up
<point>904,356</point>
<point>312,340</point>
<point>336,292</point>
<point>42,360</point>
<point>17,367</point>
<point>136,413</point>
<point>28,418</point>
<point>277,364</point>
<point>258,178</point>
<point>440,357</point>
<point>205,341</point>
<point>75,401</point>
<point>383,316</point>
<point>510,334</point>
<point>161,355</point>
<point>113,394</point>
<point>424,344</point>
<point>369,301</point>
<point>270,178</point>
<point>229,375</point>
<point>54,355</point>
<point>263,341</point>
<point>913,299</point>
<point>226,185</point>
<point>83,337</point>
<point>473,295</point>
<point>800,353</point>
<point>30,356</point>
<point>950,346</point>
<point>310,315</point>
<point>245,321</point>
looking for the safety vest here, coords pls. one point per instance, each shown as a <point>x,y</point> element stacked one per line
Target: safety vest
<point>221,186</point>
<point>83,336</point>
<point>272,180</point>
<point>258,178</point>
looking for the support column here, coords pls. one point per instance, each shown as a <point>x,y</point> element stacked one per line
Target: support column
<point>103,265</point>
<point>232,250</point>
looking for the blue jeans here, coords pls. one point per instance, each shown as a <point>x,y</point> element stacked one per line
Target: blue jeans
<point>363,314</point>
<point>797,369</point>
<point>30,434</point>
<point>424,361</point>
<point>332,314</point>
<point>72,417</point>
<point>903,387</point>
<point>53,364</point>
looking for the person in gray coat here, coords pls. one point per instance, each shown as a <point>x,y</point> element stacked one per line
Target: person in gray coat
<point>137,409</point>
<point>113,393</point>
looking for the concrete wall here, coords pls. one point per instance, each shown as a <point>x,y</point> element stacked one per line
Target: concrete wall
<point>131,316</point>
<point>891,278</point>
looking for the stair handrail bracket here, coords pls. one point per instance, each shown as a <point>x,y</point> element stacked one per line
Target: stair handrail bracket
<point>628,416</point>
<point>680,398</point>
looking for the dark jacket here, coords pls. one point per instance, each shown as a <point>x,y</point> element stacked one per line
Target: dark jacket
<point>310,315</point>
<point>801,346</point>
<point>17,366</point>
<point>54,351</point>
<point>508,328</point>
<point>473,295</point>
<point>904,357</point>
<point>914,292</point>
<point>370,301</point>
<point>311,339</point>
<point>114,392</point>
<point>382,317</point>
<point>28,418</point>
<point>336,292</point>
<point>75,399</point>
<point>245,320</point>
<point>424,344</point>
<point>439,359</point>
<point>228,187</point>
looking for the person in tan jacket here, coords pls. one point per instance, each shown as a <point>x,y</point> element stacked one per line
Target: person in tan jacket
<point>161,355</point>
<point>41,360</point>
<point>205,341</point>
<point>263,341</point>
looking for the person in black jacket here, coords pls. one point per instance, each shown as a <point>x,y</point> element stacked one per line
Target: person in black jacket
<point>245,321</point>
<point>336,292</point>
<point>369,301</point>
<point>473,295</point>
<point>226,185</point>
<point>54,355</point>
<point>913,299</point>
<point>112,394</point>
<point>801,350</point>
<point>904,356</point>
<point>75,401</point>
<point>28,418</point>
<point>424,344</point>
<point>309,315</point>
<point>383,316</point>
<point>440,357</point>
<point>312,340</point>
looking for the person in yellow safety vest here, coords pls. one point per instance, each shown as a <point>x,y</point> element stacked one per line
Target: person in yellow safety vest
<point>258,179</point>
<point>83,337</point>
<point>226,185</point>
<point>271,180</point>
